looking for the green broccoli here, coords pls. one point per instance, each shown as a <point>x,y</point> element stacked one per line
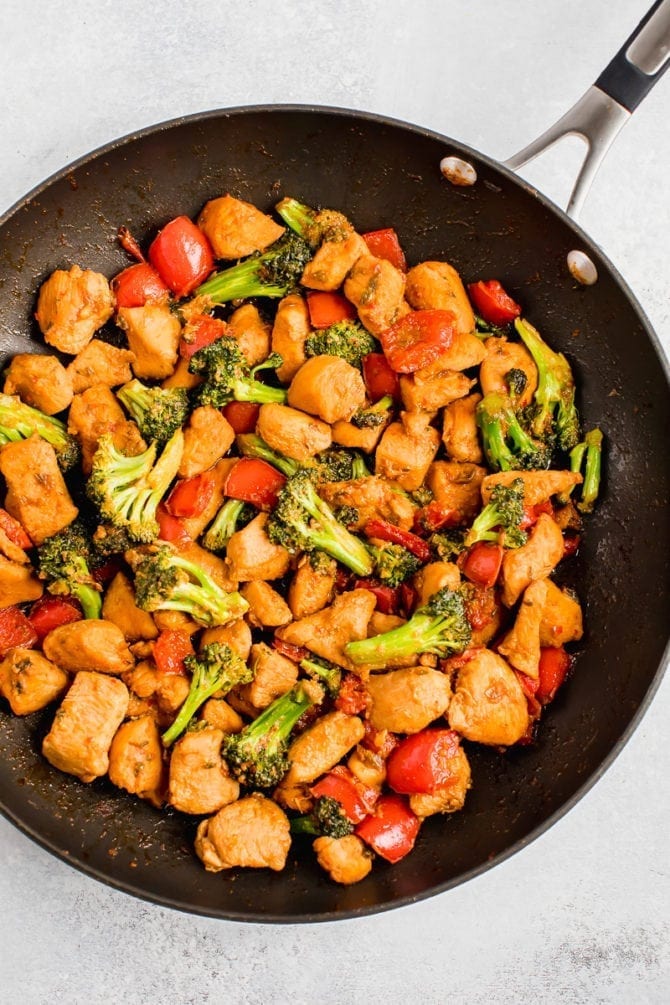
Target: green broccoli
<point>448,544</point>
<point>127,490</point>
<point>347,339</point>
<point>374,415</point>
<point>485,329</point>
<point>591,446</point>
<point>324,672</point>
<point>216,668</point>
<point>502,515</point>
<point>440,627</point>
<point>258,755</point>
<point>64,560</point>
<point>302,521</point>
<point>394,564</point>
<point>109,540</point>
<point>158,411</point>
<point>327,819</point>
<point>329,466</point>
<point>553,412</point>
<point>232,515</point>
<point>19,421</point>
<point>164,581</point>
<point>228,377</point>
<point>312,225</point>
<point>516,381</point>
<point>359,468</point>
<point>507,445</point>
<point>274,273</point>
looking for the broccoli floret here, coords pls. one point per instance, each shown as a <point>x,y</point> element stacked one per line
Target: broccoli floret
<point>501,517</point>
<point>554,412</point>
<point>507,445</point>
<point>327,819</point>
<point>232,515</point>
<point>127,490</point>
<point>328,466</point>
<point>19,421</point>
<point>164,581</point>
<point>448,544</point>
<point>274,273</point>
<point>592,447</point>
<point>228,377</point>
<point>359,468</point>
<point>312,225</point>
<point>216,668</point>
<point>302,521</point>
<point>394,564</point>
<point>258,755</point>
<point>158,411</point>
<point>326,673</point>
<point>64,562</point>
<point>516,380</point>
<point>422,496</point>
<point>347,339</point>
<point>373,416</point>
<point>484,329</point>
<point>109,540</point>
<point>440,627</point>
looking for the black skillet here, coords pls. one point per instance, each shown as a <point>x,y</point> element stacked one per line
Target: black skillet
<point>383,173</point>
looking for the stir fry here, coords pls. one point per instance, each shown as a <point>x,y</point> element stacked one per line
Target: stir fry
<point>280,523</point>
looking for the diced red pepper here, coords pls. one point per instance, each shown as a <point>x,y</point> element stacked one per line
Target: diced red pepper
<point>191,496</point>
<point>254,481</point>
<point>340,784</point>
<point>200,331</point>
<point>14,530</point>
<point>171,649</point>
<point>571,543</point>
<point>408,599</point>
<point>435,516</point>
<point>481,606</point>
<point>492,302</point>
<point>137,285</point>
<point>417,339</point>
<point>352,697</point>
<point>242,415</point>
<point>380,741</point>
<point>105,573</point>
<point>391,830</point>
<point>387,531</point>
<point>531,514</point>
<point>51,612</point>
<point>482,563</point>
<point>295,653</point>
<point>386,596</point>
<point>380,379</point>
<point>553,669</point>
<point>15,630</point>
<point>171,528</point>
<point>385,244</point>
<point>423,762</point>
<point>182,256</point>
<point>326,309</point>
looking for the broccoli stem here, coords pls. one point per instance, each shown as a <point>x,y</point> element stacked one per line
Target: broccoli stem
<point>224,525</point>
<point>330,536</point>
<point>238,283</point>
<point>251,445</point>
<point>255,391</point>
<point>90,600</point>
<point>591,446</point>
<point>300,218</point>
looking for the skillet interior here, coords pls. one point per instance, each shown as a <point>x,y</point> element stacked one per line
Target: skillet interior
<point>380,173</point>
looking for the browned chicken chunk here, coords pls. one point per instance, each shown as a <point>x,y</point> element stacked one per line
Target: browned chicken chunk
<point>538,486</point>
<point>29,681</point>
<point>501,357</point>
<point>534,560</point>
<point>40,381</point>
<point>489,704</point>
<point>561,617</point>
<point>252,555</point>
<point>120,608</point>
<point>332,261</point>
<point>377,289</point>
<point>438,286</point>
<point>95,413</point>
<point>433,577</point>
<point>457,486</point>
<point>18,583</point>
<point>366,439</point>
<point>373,498</point>
<point>464,352</point>
<point>237,635</point>
<point>199,778</point>
<point>407,700</point>
<point>153,333</point>
<point>290,331</point>
<point>251,333</point>
<point>100,363</point>
<point>267,608</point>
<point>328,387</point>
<point>92,644</point>
<point>71,306</point>
<point>449,798</point>
<point>521,644</point>
<point>312,586</point>
<point>274,675</point>
<point>136,759</point>
<point>235,228</point>
<point>218,713</point>
<point>433,394</point>
<point>253,832</point>
<point>345,859</point>
<point>321,746</point>
<point>406,450</point>
<point>37,496</point>
<point>207,437</point>
<point>459,430</point>
<point>292,432</point>
<point>327,632</point>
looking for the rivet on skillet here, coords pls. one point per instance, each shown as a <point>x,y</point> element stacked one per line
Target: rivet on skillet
<point>582,268</point>
<point>458,171</point>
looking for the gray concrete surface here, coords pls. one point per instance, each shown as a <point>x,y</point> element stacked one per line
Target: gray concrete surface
<point>583,914</point>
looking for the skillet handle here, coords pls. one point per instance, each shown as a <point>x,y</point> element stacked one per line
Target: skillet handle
<point>605,108</point>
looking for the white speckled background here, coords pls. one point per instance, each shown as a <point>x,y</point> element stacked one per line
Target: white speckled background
<point>583,914</point>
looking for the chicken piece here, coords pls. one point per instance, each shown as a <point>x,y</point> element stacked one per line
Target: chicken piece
<point>84,727</point>
<point>253,832</point>
<point>274,675</point>
<point>501,357</point>
<point>291,432</point>
<point>136,759</point>
<point>482,636</point>
<point>153,333</point>
<point>182,377</point>
<point>71,306</point>
<point>538,486</point>
<point>489,705</point>
<point>327,632</point>
<point>330,264</point>
<point>521,644</point>
<point>195,525</point>
<point>100,363</point>
<point>18,583</point>
<point>175,621</point>
<point>207,437</point>
<point>40,381</point>
<point>328,387</point>
<point>213,565</point>
<point>457,486</point>
<point>465,351</point>
<point>171,694</point>
<point>459,430</point>
<point>377,289</point>
<point>430,395</point>
<point>380,623</point>
<point>92,644</point>
<point>534,560</point>
<point>407,700</point>
<point>346,434</point>
<point>321,746</point>
<point>561,617</point>
<point>251,333</point>
<point>406,450</point>
<point>438,286</point>
<point>290,331</point>
<point>237,635</point>
<point>29,681</point>
<point>37,496</point>
<point>95,413</point>
<point>218,713</point>
<point>368,767</point>
<point>345,859</point>
<point>433,577</point>
<point>199,778</point>
<point>252,555</point>
<point>143,679</point>
<point>120,608</point>
<point>373,498</point>
<point>11,550</point>
<point>236,228</point>
<point>448,798</point>
<point>267,608</point>
<point>311,587</point>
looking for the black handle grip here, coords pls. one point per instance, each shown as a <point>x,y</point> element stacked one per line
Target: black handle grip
<point>623,80</point>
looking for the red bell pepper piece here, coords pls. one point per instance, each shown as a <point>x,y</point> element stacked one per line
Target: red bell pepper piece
<point>242,415</point>
<point>435,516</point>
<point>105,573</point>
<point>191,496</point>
<point>380,379</point>
<point>295,653</point>
<point>385,244</point>
<point>137,285</point>
<point>200,331</point>
<point>386,596</point>
<point>553,669</point>
<point>356,800</point>
<point>182,256</point>
<point>254,481</point>
<point>571,543</point>
<point>326,309</point>
<point>15,630</point>
<point>423,762</point>
<point>492,302</point>
<point>171,649</point>
<point>391,830</point>
<point>417,339</point>
<point>408,599</point>
<point>51,612</point>
<point>532,513</point>
<point>387,531</point>
<point>14,530</point>
<point>171,528</point>
<point>352,697</point>
<point>482,563</point>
